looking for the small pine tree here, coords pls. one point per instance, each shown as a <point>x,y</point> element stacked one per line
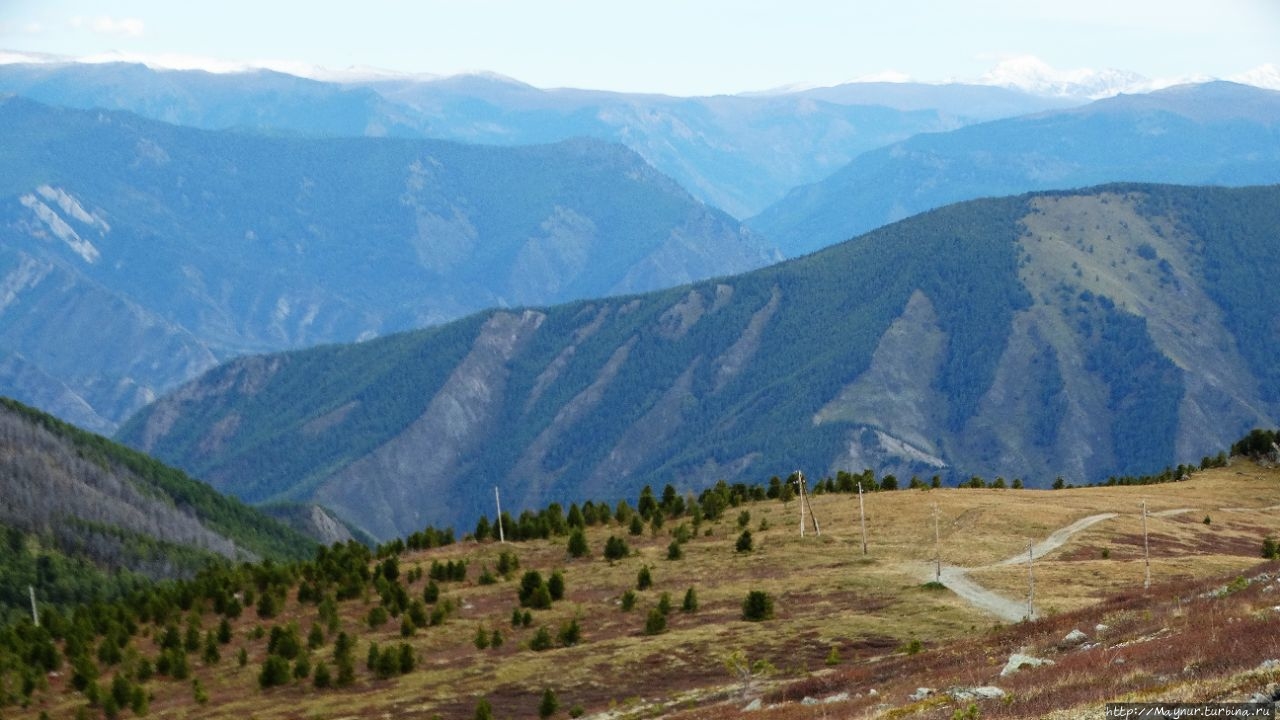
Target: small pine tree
<point>495,640</point>
<point>833,657</point>
<point>346,672</point>
<point>481,639</point>
<point>541,640</point>
<point>744,543</point>
<point>637,525</point>
<point>508,563</point>
<point>570,633</point>
<point>198,693</point>
<point>321,678</point>
<point>673,551</point>
<point>549,704</point>
<point>556,585</point>
<point>315,638</point>
<point>655,623</point>
<point>757,606</point>
<point>211,654</point>
<point>690,601</point>
<point>541,599</point>
<point>388,663</point>
<point>615,548</point>
<point>644,579</point>
<point>664,604</point>
<point>275,671</point>
<point>1270,549</point>
<point>628,600</point>
<point>483,710</point>
<point>578,544</point>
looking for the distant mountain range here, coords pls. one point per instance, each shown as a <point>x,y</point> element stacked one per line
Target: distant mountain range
<point>136,253</point>
<point>737,153</point>
<point>1216,133</point>
<point>1110,331</point>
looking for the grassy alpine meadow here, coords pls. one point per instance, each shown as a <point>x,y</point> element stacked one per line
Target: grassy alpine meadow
<point>842,623</point>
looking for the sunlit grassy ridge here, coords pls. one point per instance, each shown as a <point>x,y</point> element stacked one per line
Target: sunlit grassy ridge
<point>827,596</point>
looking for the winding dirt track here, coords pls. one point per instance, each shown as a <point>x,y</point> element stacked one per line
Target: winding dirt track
<point>958,581</point>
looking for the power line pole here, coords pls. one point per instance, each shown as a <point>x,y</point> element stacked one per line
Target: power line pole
<point>813,516</point>
<point>937,547</point>
<point>35,615</point>
<point>1146,548</point>
<point>862,515</point>
<point>502,538</point>
<point>800,489</point>
<point>1031,583</point>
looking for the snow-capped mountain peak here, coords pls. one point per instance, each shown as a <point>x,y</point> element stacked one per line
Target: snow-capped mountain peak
<point>1033,75</point>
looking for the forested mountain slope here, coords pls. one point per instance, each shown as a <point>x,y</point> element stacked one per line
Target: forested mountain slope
<point>1109,331</point>
<point>84,517</point>
<point>135,254</point>
<point>1217,133</point>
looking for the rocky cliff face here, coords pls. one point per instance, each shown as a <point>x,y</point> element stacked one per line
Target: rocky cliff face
<point>1085,334</point>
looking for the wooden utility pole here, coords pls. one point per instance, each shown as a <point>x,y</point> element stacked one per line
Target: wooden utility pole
<point>805,503</point>
<point>937,547</point>
<point>813,516</point>
<point>1031,583</point>
<point>502,538</point>
<point>862,516</point>
<point>35,615</point>
<point>800,490</point>
<point>1146,548</point>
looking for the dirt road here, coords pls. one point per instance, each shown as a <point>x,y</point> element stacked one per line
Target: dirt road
<point>958,581</point>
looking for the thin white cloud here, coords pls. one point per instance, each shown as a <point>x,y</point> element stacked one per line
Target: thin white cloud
<point>107,25</point>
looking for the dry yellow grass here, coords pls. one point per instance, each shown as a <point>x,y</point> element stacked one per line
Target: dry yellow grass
<point>827,594</point>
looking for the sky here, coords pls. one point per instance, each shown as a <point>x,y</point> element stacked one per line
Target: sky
<point>678,47</point>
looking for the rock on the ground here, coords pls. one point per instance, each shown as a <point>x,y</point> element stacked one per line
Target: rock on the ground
<point>1100,628</point>
<point>986,692</point>
<point>753,706</point>
<point>1073,638</point>
<point>920,694</point>
<point>1017,661</point>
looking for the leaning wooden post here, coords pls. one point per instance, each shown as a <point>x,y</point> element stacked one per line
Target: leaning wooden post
<point>1146,548</point>
<point>800,486</point>
<point>862,515</point>
<point>35,615</point>
<point>937,547</point>
<point>1031,583</point>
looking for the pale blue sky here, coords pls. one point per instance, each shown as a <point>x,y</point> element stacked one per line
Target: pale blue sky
<point>680,47</point>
